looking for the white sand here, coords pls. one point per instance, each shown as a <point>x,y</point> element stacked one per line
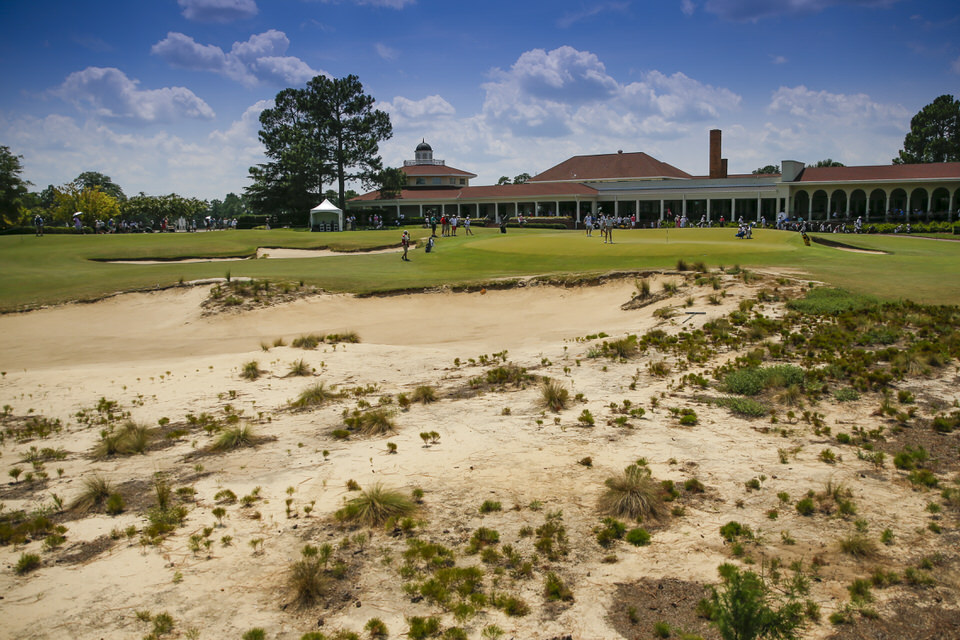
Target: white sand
<point>158,357</point>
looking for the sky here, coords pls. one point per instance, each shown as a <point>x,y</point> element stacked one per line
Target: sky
<point>164,96</point>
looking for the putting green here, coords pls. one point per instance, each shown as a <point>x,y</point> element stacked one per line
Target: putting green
<point>54,269</point>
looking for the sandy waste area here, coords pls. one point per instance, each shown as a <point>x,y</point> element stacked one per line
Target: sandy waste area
<point>497,459</point>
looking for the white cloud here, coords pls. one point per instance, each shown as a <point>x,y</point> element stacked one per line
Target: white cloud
<point>389,4</point>
<point>218,10</point>
<point>109,93</point>
<point>385,52</point>
<point>572,17</point>
<point>778,59</point>
<point>258,59</point>
<point>955,66</point>
<point>552,93</point>
<point>847,109</point>
<point>687,7</point>
<point>753,10</point>
<point>430,107</point>
<point>208,167</point>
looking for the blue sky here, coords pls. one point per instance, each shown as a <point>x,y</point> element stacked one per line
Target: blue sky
<point>164,96</point>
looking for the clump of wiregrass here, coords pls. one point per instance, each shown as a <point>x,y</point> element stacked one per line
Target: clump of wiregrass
<point>744,407</point>
<point>235,437</point>
<point>128,439</point>
<point>299,368</point>
<point>829,301</point>
<point>633,494</point>
<point>554,395</point>
<point>371,422</point>
<point>859,546</point>
<point>307,580</point>
<point>96,490</point>
<point>251,370</point>
<point>27,563</point>
<point>643,287</point>
<point>312,340</point>
<point>374,506</point>
<point>424,394</point>
<point>314,395</point>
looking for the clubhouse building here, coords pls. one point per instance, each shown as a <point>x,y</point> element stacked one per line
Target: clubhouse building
<point>628,184</point>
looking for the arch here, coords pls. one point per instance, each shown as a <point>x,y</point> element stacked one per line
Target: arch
<point>955,206</point>
<point>821,203</point>
<point>858,203</point>
<point>940,203</point>
<point>877,206</point>
<point>801,204</point>
<point>919,202</point>
<point>838,204</point>
<point>898,205</point>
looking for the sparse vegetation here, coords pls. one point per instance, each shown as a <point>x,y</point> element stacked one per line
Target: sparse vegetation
<point>374,506</point>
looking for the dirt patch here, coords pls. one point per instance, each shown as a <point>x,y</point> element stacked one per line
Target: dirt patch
<point>908,621</point>
<point>81,552</point>
<point>637,606</point>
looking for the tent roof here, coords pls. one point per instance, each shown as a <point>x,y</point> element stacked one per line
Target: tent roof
<point>326,205</point>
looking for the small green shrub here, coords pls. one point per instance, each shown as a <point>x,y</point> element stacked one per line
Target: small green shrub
<point>490,506</point>
<point>638,537</point>
<point>27,563</point>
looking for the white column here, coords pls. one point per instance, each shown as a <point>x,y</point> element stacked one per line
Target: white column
<point>886,211</point>
<point>683,206</point>
<point>758,207</point>
<point>616,207</point>
<point>733,209</point>
<point>661,210</point>
<point>419,205</point>
<point>556,209</point>
<point>847,214</point>
<point>398,211</point>
<point>810,206</point>
<point>576,203</point>
<point>516,209</point>
<point>708,209</point>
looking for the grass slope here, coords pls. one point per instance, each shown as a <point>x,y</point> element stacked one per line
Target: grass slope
<point>55,269</point>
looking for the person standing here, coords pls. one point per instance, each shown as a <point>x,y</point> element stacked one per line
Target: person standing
<point>453,225</point>
<point>38,225</point>
<point>588,223</point>
<point>466,226</point>
<point>405,242</point>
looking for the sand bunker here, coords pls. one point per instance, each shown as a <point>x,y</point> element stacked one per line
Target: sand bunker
<point>275,253</point>
<point>221,573</point>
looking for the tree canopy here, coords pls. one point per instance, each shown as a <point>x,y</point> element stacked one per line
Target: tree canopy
<point>96,180</point>
<point>391,181</point>
<point>829,162</point>
<point>325,132</point>
<point>934,134</point>
<point>770,168</point>
<point>13,188</point>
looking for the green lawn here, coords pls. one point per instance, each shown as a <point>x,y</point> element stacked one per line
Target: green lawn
<point>53,269</point>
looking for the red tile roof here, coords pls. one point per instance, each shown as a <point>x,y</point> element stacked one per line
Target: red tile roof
<point>610,166</point>
<point>948,170</point>
<point>527,190</point>
<point>435,170</point>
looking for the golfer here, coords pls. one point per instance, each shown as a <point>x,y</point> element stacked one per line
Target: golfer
<point>405,241</point>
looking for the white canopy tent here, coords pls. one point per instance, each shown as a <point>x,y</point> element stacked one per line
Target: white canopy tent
<point>326,216</point>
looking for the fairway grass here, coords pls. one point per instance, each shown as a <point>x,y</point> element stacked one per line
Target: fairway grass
<point>56,269</point>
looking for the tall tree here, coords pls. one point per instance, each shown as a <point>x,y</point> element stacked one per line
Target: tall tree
<point>503,180</point>
<point>770,168</point>
<point>13,187</point>
<point>934,134</point>
<point>352,128</point>
<point>391,181</point>
<point>520,179</point>
<point>327,131</point>
<point>97,180</point>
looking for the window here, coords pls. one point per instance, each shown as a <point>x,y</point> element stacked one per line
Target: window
<point>463,181</point>
<point>421,181</point>
<point>437,180</point>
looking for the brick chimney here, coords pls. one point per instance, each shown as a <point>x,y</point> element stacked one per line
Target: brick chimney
<point>718,165</point>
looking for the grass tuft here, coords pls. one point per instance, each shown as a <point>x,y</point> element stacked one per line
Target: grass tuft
<point>633,494</point>
<point>375,506</point>
<point>554,395</point>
